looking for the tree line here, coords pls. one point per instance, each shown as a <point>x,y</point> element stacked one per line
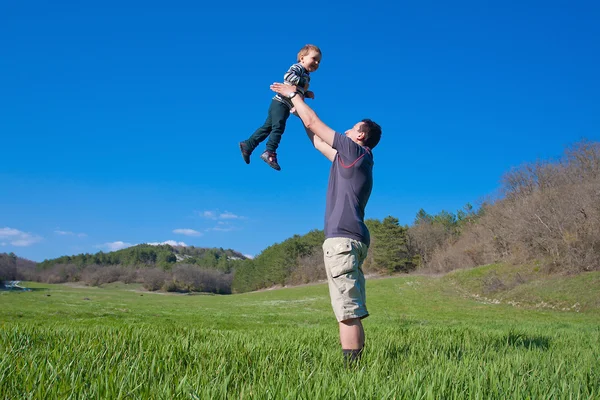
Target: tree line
<point>163,256</point>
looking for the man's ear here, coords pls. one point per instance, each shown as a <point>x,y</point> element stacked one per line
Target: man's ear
<point>360,136</point>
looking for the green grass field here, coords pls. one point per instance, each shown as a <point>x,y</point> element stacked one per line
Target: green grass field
<point>427,338</point>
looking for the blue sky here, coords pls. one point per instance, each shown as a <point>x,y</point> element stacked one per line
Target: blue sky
<point>119,121</point>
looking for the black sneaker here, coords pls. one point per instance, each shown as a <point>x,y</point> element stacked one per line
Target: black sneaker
<point>271,159</point>
<point>245,152</point>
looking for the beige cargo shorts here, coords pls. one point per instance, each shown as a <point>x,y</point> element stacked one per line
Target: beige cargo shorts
<point>343,262</point>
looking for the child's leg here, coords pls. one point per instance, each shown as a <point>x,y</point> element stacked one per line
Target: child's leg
<point>279,116</point>
<point>261,133</point>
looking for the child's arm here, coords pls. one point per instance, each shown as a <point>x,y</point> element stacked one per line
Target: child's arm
<point>293,75</point>
<point>308,94</point>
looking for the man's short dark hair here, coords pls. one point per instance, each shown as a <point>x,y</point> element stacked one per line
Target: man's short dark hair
<point>372,132</point>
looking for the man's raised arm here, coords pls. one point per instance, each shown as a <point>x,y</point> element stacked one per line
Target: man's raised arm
<point>307,115</point>
<point>320,145</point>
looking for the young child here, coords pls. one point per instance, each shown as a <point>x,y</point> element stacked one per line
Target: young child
<point>309,59</point>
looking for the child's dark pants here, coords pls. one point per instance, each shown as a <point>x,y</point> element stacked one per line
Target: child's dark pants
<point>273,127</point>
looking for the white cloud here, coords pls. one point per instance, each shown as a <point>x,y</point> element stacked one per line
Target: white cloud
<point>216,214</point>
<point>226,221</point>
<point>228,215</point>
<point>9,232</point>
<point>169,242</point>
<point>69,233</point>
<point>114,246</point>
<point>18,238</point>
<point>28,241</point>
<point>222,228</point>
<point>249,256</point>
<point>187,232</point>
<point>209,214</point>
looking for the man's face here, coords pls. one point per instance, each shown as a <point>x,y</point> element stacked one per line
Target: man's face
<point>311,61</point>
<point>354,133</point>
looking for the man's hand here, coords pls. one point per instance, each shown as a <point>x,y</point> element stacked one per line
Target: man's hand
<point>309,94</point>
<point>282,89</point>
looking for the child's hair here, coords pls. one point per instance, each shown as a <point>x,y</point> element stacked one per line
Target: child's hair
<point>306,49</point>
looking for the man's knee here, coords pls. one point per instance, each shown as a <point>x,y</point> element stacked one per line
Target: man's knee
<point>352,321</point>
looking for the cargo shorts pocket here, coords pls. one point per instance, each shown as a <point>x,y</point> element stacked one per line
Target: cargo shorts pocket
<point>340,259</point>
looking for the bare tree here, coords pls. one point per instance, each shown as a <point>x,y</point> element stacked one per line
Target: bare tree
<point>549,211</point>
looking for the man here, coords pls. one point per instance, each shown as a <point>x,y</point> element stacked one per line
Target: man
<point>346,235</point>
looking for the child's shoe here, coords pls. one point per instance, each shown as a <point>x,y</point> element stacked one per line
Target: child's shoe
<point>271,159</point>
<point>245,152</point>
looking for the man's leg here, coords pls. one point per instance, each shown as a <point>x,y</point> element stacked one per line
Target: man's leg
<point>352,334</point>
<point>352,338</point>
<point>343,263</point>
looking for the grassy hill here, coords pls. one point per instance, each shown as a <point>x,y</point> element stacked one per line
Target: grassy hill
<point>428,337</point>
<point>527,286</point>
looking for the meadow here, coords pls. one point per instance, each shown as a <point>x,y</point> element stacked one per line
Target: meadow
<point>427,338</point>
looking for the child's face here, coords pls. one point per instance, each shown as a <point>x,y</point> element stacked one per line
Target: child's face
<point>311,61</point>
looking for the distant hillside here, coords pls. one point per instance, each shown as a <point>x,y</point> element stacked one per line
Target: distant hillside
<point>145,255</point>
<point>164,267</point>
<point>547,212</point>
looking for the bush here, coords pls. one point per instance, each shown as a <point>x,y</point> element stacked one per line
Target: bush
<point>96,275</point>
<point>190,278</point>
<point>129,275</point>
<point>60,273</point>
<point>153,278</point>
<point>310,269</point>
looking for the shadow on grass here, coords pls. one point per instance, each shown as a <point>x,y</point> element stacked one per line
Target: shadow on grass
<point>516,339</point>
<point>397,351</point>
<point>23,290</point>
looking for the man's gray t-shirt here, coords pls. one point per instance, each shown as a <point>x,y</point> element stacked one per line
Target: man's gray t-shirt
<point>350,184</point>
